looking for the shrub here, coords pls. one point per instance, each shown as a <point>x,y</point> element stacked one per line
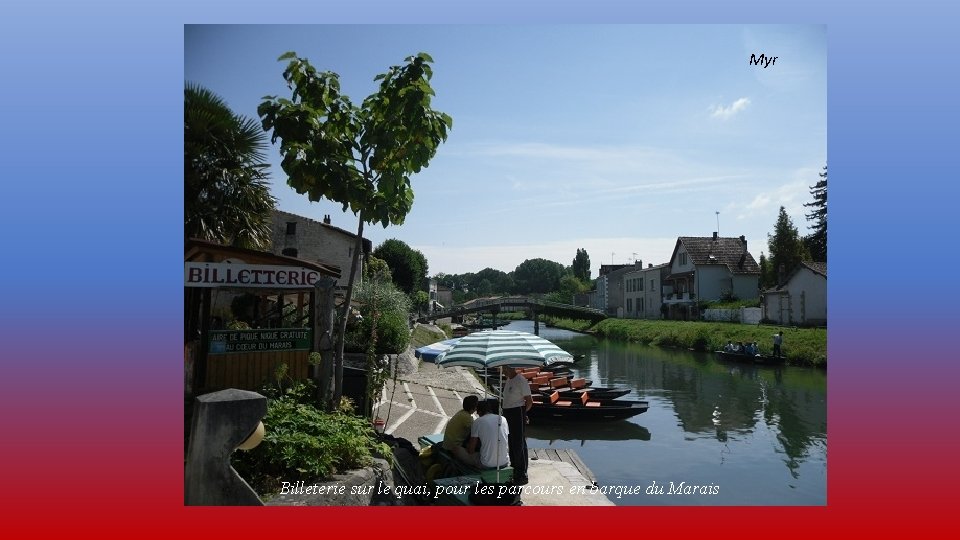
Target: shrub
<point>393,335</point>
<point>303,442</point>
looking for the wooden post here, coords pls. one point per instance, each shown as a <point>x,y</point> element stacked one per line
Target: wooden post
<point>324,315</point>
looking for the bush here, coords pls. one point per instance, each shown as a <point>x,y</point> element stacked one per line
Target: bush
<point>304,443</point>
<point>393,335</point>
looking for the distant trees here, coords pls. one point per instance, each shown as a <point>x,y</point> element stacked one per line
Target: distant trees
<point>226,190</point>
<point>581,266</point>
<point>537,276</point>
<point>407,265</point>
<point>786,248</point>
<point>816,242</point>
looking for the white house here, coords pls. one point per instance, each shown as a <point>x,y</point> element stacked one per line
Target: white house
<point>801,298</point>
<point>706,269</point>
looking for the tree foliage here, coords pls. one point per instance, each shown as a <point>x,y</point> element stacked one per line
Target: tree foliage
<point>816,242</point>
<point>407,265</point>
<point>226,190</point>
<point>360,156</point>
<point>581,265</point>
<point>537,276</point>
<point>786,247</point>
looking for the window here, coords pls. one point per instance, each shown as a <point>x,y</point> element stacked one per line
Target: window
<point>290,252</point>
<point>651,286</point>
<point>640,283</point>
<point>629,305</point>
<point>291,227</point>
<point>683,259</point>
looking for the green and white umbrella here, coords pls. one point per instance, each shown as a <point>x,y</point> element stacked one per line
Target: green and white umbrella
<point>493,348</point>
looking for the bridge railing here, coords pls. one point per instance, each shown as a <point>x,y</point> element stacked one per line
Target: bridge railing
<point>524,301</point>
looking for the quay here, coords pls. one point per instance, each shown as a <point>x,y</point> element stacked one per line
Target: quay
<point>423,397</point>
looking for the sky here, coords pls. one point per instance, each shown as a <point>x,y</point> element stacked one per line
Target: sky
<point>615,139</point>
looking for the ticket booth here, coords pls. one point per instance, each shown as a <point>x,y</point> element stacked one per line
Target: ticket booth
<point>222,350</point>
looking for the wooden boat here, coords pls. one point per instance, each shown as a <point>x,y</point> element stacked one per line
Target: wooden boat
<point>762,359</point>
<point>601,392</point>
<point>554,408</point>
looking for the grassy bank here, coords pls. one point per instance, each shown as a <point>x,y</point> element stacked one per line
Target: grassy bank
<point>802,346</point>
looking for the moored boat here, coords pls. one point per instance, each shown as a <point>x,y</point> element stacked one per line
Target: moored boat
<point>750,359</point>
<point>553,407</point>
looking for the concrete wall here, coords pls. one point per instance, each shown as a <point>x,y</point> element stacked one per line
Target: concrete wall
<point>712,281</point>
<point>741,315</point>
<point>803,300</point>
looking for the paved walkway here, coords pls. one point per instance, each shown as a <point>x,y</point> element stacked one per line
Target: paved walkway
<point>423,397</point>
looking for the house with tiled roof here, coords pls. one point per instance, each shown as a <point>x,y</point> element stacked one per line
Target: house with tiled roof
<point>801,299</point>
<point>311,240</point>
<point>708,269</point>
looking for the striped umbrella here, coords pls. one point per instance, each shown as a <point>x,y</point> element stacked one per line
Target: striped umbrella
<point>493,348</point>
<point>430,352</point>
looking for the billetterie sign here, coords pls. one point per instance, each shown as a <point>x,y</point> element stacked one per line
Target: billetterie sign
<point>247,275</point>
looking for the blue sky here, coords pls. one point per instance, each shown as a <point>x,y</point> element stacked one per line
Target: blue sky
<point>615,139</point>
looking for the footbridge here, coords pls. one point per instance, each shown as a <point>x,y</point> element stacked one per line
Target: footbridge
<point>536,306</point>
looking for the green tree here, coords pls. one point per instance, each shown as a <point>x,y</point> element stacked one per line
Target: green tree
<point>409,266</point>
<point>497,281</point>
<point>537,276</point>
<point>816,242</point>
<point>786,247</point>
<point>360,156</point>
<point>581,266</point>
<point>569,287</point>
<point>225,181</point>
<point>766,279</point>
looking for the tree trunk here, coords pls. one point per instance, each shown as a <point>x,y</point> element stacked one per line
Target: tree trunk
<point>341,334</point>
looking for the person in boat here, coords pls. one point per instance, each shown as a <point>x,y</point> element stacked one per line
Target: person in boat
<point>756,349</point>
<point>728,347</point>
<point>517,400</point>
<point>777,344</point>
<point>457,433</point>
<point>489,444</point>
<point>748,349</point>
<point>737,347</point>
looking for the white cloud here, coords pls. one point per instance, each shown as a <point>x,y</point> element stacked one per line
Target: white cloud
<point>719,111</point>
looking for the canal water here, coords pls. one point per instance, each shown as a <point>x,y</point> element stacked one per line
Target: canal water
<point>732,434</point>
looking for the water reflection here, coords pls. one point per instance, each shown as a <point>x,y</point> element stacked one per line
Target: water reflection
<point>760,431</point>
<point>621,430</point>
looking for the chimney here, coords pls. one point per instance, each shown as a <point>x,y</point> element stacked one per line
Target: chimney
<point>744,240</point>
<point>649,265</point>
<point>326,219</point>
<point>638,263</point>
<point>715,236</point>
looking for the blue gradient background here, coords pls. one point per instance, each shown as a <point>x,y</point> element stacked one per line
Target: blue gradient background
<point>92,218</point>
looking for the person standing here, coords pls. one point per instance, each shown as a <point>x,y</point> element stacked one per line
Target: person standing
<point>457,431</point>
<point>777,342</point>
<point>516,402</point>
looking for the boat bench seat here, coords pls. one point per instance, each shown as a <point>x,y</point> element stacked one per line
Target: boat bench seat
<point>585,400</point>
<point>557,402</point>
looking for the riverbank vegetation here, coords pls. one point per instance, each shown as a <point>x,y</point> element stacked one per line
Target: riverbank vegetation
<point>801,346</point>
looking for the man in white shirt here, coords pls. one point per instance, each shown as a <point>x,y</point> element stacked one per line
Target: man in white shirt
<point>490,430</point>
<point>516,402</point>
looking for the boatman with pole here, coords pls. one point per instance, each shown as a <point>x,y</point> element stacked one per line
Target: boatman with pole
<point>517,400</point>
